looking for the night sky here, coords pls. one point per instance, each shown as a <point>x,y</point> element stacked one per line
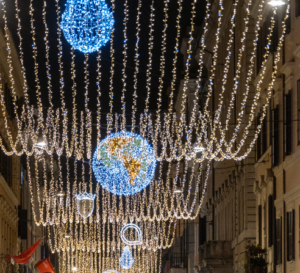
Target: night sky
<point>118,46</point>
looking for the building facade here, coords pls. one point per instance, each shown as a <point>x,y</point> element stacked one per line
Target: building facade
<point>276,186</point>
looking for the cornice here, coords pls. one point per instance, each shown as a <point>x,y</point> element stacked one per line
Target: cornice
<point>297,52</point>
<point>288,68</point>
<point>288,197</point>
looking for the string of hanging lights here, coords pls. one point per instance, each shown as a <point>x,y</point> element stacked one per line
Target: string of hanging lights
<point>162,130</point>
<point>125,166</point>
<point>85,262</point>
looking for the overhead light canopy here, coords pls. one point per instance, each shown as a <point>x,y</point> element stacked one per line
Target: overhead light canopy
<point>276,3</point>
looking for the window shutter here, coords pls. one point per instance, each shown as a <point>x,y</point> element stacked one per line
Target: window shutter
<point>297,8</point>
<point>298,111</point>
<point>264,135</point>
<point>278,241</point>
<point>260,225</point>
<point>202,230</point>
<point>293,235</point>
<point>288,123</point>
<point>275,136</point>
<point>270,215</point>
<point>258,141</point>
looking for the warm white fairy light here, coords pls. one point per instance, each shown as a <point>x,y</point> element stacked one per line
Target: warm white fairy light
<point>165,132</point>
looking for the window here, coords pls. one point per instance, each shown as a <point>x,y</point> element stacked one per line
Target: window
<point>288,25</point>
<point>290,235</point>
<point>202,230</point>
<point>275,37</point>
<point>8,101</point>
<point>278,241</point>
<point>258,141</point>
<point>260,225</point>
<point>288,123</point>
<point>297,8</point>
<point>259,51</point>
<point>6,167</point>
<point>264,135</point>
<point>298,111</point>
<point>275,136</point>
<point>270,215</point>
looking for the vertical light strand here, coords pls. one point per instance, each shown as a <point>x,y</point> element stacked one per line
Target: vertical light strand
<point>136,61</point>
<point>111,93</point>
<point>125,48</point>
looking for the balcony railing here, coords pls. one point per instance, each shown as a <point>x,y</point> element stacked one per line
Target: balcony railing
<point>177,260</point>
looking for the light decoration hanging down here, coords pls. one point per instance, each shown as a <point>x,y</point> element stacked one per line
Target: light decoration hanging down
<point>87,24</point>
<point>85,204</point>
<point>126,260</point>
<point>165,133</point>
<point>139,241</point>
<point>124,163</point>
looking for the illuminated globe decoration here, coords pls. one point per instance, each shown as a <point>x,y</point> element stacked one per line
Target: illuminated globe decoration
<point>138,231</point>
<point>124,163</point>
<point>126,260</point>
<point>87,24</point>
<point>85,204</point>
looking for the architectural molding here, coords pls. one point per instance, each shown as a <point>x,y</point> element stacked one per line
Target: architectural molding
<point>297,51</point>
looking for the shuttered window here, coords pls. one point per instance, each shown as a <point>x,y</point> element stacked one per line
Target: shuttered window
<point>297,8</point>
<point>299,230</point>
<point>6,167</point>
<point>264,135</point>
<point>278,241</point>
<point>260,225</point>
<point>288,123</point>
<point>298,110</point>
<point>270,222</point>
<point>202,230</point>
<point>8,101</point>
<point>259,51</point>
<point>291,235</point>
<point>275,136</point>
<point>258,141</point>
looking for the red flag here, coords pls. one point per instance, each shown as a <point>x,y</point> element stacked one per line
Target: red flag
<point>45,266</point>
<point>26,255</point>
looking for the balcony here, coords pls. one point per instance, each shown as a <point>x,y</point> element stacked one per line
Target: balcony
<point>216,256</point>
<point>176,263</point>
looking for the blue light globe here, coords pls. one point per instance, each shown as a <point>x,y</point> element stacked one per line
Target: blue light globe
<point>87,24</point>
<point>124,163</point>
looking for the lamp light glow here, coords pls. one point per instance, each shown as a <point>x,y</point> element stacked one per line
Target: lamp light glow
<point>276,3</point>
<point>61,194</point>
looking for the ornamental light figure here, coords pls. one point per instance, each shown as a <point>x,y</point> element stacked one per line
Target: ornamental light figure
<point>85,204</point>
<point>126,260</point>
<point>87,24</point>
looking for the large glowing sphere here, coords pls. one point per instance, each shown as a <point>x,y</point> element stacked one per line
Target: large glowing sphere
<point>87,24</point>
<point>124,163</point>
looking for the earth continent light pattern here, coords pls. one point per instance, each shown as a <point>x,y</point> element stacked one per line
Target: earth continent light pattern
<point>124,163</point>
<point>87,24</point>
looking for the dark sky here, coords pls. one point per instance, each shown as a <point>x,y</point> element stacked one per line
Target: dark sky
<point>118,45</point>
